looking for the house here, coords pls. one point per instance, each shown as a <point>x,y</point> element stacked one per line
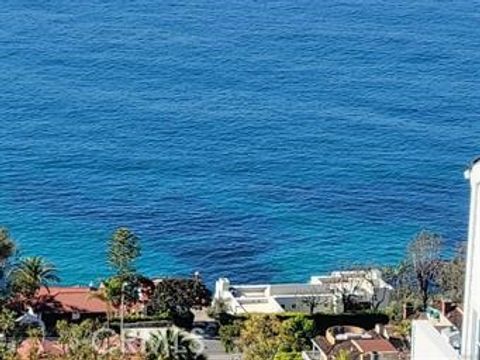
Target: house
<point>357,342</point>
<point>69,303</point>
<point>327,293</point>
<point>471,305</point>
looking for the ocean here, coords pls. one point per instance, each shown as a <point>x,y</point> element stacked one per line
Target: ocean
<point>259,140</point>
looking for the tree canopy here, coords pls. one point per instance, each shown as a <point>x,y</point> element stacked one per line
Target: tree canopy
<point>424,258</point>
<point>268,337</point>
<point>124,248</point>
<point>7,246</point>
<point>178,296</point>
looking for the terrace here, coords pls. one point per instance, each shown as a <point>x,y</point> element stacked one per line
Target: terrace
<point>437,335</point>
<point>325,292</point>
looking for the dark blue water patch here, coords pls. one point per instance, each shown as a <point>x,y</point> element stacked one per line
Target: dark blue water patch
<point>231,254</point>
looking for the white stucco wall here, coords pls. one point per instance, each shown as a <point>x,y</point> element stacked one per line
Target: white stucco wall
<point>270,298</point>
<point>471,319</point>
<point>429,344</point>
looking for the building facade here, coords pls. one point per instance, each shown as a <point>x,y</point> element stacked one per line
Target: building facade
<point>471,306</point>
<point>320,294</point>
<point>433,341</point>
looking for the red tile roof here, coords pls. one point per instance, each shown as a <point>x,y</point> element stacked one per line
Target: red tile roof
<point>70,300</point>
<point>374,345</point>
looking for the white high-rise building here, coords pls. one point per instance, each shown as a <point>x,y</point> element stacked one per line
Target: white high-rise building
<point>431,339</point>
<point>471,307</point>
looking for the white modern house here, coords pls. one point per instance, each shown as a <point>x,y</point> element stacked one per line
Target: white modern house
<point>321,293</point>
<point>430,341</point>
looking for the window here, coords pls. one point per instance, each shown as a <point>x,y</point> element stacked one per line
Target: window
<point>294,306</point>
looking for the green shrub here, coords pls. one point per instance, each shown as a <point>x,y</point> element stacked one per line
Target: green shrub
<point>288,356</point>
<point>229,335</point>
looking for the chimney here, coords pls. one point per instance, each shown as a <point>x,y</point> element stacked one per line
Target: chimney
<point>380,330</point>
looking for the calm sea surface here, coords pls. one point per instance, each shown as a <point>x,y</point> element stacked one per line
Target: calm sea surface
<point>261,140</point>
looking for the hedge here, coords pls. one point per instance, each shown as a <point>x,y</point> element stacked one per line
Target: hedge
<point>365,320</point>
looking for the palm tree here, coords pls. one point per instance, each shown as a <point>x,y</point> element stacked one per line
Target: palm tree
<point>174,344</point>
<point>32,273</point>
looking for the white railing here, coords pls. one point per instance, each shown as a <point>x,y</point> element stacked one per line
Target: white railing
<point>298,289</point>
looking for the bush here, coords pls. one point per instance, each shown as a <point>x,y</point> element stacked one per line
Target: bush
<point>321,322</point>
<point>183,320</point>
<point>229,335</point>
<point>287,333</point>
<point>296,333</point>
<point>228,319</point>
<point>288,356</point>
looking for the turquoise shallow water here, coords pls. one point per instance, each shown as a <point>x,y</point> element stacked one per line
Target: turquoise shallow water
<point>265,141</point>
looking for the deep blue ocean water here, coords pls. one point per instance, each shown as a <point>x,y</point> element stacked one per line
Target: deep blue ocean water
<point>261,140</point>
